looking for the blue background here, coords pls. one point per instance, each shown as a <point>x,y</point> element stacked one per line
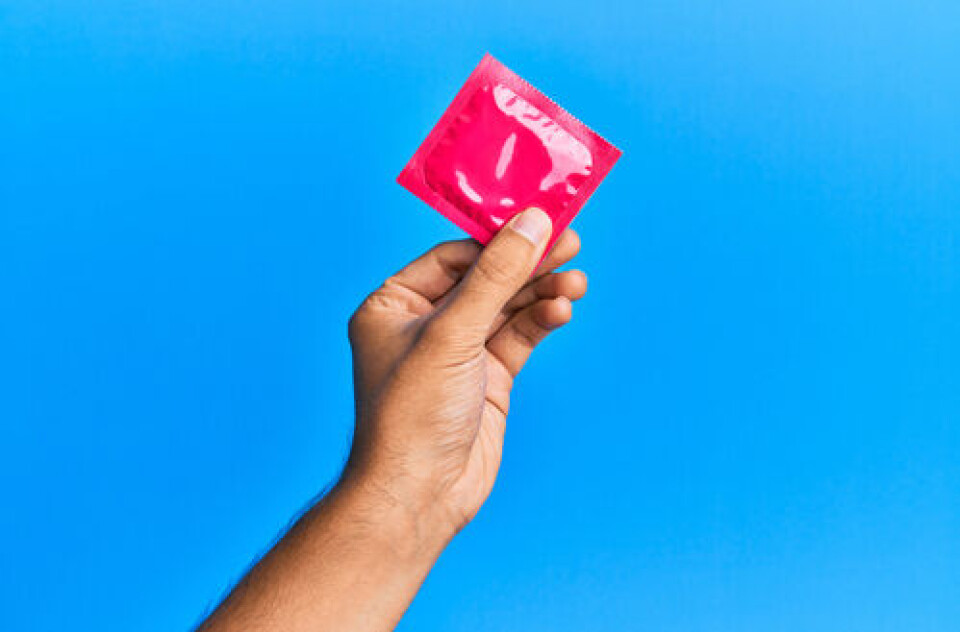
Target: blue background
<point>752,423</point>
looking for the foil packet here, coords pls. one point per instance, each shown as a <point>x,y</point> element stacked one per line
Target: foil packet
<point>502,146</point>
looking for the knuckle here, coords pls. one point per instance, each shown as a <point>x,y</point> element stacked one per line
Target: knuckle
<point>496,269</point>
<point>528,334</point>
<point>360,322</point>
<point>355,325</point>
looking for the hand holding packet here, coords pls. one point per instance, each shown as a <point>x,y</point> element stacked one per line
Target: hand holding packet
<point>501,147</point>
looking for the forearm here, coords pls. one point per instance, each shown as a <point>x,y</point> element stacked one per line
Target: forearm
<point>353,562</point>
<point>436,349</point>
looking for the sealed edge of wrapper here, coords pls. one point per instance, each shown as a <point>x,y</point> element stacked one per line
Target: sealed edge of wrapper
<point>491,71</point>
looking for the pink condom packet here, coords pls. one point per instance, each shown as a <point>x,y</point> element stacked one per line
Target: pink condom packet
<point>501,147</point>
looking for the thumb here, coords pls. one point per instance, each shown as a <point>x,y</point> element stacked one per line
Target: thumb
<point>504,266</point>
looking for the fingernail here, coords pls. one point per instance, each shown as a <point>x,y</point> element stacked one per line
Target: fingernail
<point>533,224</point>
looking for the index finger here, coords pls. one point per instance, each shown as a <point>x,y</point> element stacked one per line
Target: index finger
<point>435,272</point>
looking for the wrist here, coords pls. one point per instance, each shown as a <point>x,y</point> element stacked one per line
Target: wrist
<point>399,518</point>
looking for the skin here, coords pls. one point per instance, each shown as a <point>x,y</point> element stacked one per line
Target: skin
<point>436,349</point>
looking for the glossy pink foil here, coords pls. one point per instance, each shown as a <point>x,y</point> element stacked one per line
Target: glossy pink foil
<point>501,147</point>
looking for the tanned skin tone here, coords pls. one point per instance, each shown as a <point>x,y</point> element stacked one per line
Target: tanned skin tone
<point>435,349</point>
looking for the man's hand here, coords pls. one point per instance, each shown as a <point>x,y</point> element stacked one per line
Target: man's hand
<point>436,350</point>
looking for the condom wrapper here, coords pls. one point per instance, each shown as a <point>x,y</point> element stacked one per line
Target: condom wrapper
<point>501,147</point>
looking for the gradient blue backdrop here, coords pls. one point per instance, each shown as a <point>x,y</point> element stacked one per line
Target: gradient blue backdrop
<point>752,423</point>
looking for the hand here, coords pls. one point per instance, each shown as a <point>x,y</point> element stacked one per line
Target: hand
<point>436,350</point>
